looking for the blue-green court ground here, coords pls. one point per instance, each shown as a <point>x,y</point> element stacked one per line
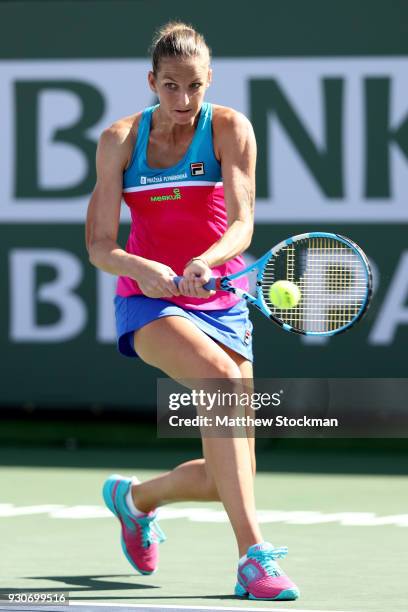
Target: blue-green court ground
<point>347,536</point>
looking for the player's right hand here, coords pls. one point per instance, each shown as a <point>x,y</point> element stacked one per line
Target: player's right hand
<point>156,280</point>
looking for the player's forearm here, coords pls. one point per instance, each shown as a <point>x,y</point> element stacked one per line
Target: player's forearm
<point>108,256</point>
<point>236,239</point>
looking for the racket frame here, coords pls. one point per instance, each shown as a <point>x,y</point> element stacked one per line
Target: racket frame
<point>224,283</point>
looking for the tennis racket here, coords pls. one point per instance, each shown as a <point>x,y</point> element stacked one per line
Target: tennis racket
<point>332,273</point>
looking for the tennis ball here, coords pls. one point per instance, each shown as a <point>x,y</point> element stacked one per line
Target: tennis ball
<point>284,294</point>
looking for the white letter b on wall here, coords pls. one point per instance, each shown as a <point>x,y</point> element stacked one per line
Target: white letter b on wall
<point>59,292</point>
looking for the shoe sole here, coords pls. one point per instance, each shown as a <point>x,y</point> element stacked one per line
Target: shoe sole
<point>287,594</point>
<point>107,490</point>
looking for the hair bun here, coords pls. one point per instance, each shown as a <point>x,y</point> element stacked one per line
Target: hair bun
<point>176,25</point>
<point>177,39</point>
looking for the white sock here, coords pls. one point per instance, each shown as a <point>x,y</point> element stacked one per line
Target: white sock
<point>129,500</point>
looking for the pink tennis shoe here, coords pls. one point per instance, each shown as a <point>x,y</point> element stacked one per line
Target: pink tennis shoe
<point>141,535</point>
<point>260,577</point>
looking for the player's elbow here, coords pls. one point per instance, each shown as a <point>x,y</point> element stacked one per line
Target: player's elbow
<point>91,254</point>
<point>249,231</point>
<point>93,249</point>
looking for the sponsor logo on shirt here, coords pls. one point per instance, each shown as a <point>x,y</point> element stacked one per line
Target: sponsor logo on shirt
<point>176,195</point>
<point>148,180</point>
<point>197,168</point>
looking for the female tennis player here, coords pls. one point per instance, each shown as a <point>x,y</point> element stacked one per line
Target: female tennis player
<point>186,169</point>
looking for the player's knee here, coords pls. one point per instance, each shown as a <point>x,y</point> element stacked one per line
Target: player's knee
<point>212,493</point>
<point>228,371</point>
<point>210,490</point>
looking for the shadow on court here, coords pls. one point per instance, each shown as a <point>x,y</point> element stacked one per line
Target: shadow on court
<point>93,583</point>
<point>83,586</point>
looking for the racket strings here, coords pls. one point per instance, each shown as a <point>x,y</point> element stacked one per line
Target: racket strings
<point>331,278</point>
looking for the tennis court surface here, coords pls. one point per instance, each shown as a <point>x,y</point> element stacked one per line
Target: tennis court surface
<point>347,535</point>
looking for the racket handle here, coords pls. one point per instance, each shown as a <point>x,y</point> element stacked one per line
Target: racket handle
<point>208,286</point>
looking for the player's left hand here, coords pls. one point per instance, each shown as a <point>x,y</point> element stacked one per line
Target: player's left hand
<point>195,275</point>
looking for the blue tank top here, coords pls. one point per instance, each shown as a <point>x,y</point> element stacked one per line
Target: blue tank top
<point>198,164</point>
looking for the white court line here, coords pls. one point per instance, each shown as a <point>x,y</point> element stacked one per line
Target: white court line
<point>87,607</point>
<point>210,515</point>
<point>220,608</point>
